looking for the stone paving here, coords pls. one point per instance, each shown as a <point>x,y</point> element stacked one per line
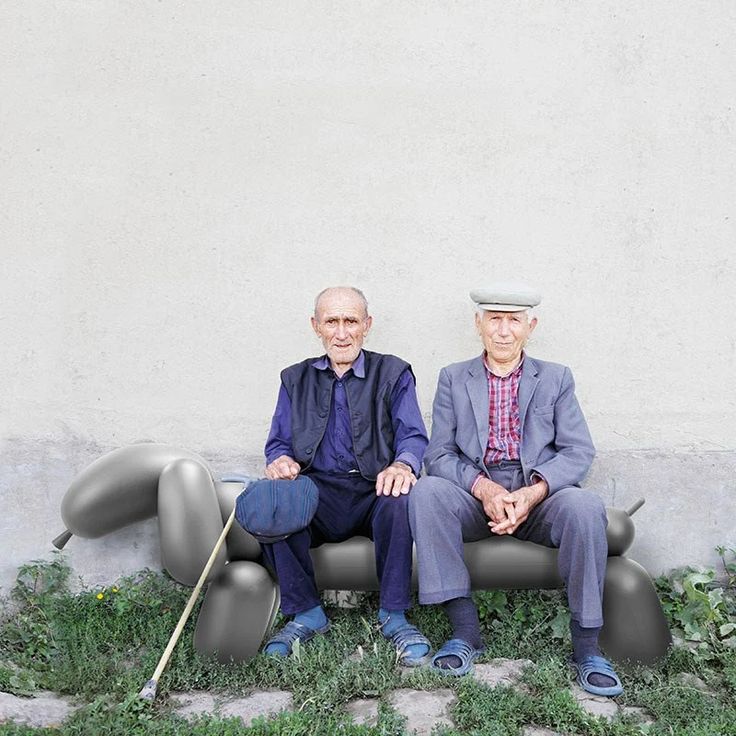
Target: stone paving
<point>44,709</point>
<point>258,703</point>
<point>423,709</point>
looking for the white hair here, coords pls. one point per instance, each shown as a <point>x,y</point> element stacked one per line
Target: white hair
<point>355,290</point>
<point>530,312</point>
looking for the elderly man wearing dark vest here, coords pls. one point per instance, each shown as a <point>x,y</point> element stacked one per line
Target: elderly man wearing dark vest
<point>350,421</point>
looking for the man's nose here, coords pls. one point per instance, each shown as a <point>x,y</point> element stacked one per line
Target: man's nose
<point>341,331</point>
<point>503,327</point>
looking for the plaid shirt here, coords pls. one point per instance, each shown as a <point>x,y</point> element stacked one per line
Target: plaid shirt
<point>504,422</point>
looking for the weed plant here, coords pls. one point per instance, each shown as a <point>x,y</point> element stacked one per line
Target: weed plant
<point>100,646</point>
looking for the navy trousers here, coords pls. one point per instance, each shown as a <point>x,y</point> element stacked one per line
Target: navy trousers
<point>348,506</point>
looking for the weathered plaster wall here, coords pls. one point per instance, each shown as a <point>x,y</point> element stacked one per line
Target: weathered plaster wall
<point>179,180</point>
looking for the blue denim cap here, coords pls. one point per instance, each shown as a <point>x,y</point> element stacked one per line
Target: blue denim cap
<point>271,510</point>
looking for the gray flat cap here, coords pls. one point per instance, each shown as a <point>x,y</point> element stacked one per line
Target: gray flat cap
<point>506,296</point>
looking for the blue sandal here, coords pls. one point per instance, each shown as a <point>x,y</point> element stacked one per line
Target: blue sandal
<point>599,666</point>
<point>456,648</point>
<point>293,632</point>
<point>405,637</point>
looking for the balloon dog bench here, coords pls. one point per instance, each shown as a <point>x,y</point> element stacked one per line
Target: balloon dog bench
<point>140,481</point>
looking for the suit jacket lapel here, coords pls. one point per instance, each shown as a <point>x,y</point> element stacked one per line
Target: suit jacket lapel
<point>477,387</point>
<point>527,387</point>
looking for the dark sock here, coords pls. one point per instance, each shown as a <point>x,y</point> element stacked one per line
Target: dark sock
<point>585,644</point>
<point>463,616</point>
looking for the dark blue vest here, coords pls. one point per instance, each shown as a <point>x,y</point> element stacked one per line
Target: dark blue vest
<point>369,399</point>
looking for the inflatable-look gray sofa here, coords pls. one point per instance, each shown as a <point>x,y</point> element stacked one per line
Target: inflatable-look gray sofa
<point>143,480</point>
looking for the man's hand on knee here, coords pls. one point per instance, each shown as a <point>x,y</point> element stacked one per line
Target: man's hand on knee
<point>283,468</point>
<point>394,480</point>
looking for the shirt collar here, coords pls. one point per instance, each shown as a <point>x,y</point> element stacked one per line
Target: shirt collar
<point>358,367</point>
<point>515,372</point>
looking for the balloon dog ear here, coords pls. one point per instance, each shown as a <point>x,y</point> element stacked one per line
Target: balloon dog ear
<point>118,489</point>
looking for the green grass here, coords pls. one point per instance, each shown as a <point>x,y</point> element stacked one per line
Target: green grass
<point>100,646</point>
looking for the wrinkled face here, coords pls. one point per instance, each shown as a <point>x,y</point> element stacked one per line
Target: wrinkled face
<point>504,334</point>
<point>342,324</point>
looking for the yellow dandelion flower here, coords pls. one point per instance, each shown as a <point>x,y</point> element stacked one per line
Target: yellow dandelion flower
<point>100,596</point>
<point>114,589</point>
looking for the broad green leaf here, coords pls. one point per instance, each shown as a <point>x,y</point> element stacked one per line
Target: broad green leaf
<point>726,629</point>
<point>560,623</point>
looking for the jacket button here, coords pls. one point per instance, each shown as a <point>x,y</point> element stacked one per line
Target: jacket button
<point>309,450</point>
<point>477,460</point>
<point>322,414</point>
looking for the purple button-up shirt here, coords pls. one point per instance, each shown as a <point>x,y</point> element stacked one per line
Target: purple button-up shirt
<point>335,452</point>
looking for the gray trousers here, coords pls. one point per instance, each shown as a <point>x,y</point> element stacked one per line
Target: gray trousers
<point>443,516</point>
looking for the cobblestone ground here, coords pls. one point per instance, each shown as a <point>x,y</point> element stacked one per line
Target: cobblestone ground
<point>423,710</point>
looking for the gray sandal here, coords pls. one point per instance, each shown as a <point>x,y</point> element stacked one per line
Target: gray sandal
<point>289,634</point>
<point>405,637</point>
<point>456,648</point>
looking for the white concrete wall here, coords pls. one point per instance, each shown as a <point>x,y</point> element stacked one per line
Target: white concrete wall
<point>180,178</point>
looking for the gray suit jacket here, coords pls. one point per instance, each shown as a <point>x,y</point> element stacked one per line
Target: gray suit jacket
<point>555,441</point>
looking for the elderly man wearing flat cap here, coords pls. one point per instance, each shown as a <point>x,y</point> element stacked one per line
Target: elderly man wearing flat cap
<point>508,449</point>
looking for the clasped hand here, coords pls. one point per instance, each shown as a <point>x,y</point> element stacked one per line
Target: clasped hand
<point>508,510</point>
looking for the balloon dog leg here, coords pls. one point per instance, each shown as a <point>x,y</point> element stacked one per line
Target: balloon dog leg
<point>237,612</point>
<point>635,628</point>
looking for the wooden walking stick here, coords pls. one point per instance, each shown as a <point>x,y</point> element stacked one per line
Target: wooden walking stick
<point>149,689</point>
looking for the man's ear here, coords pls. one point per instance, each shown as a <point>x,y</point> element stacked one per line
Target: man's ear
<point>532,324</point>
<point>315,327</point>
<point>477,321</point>
<point>368,323</point>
